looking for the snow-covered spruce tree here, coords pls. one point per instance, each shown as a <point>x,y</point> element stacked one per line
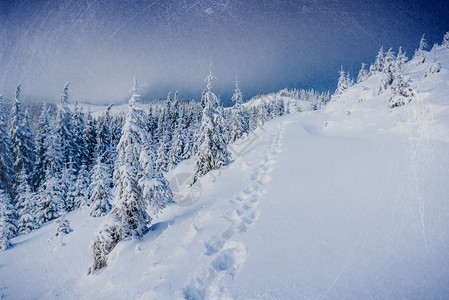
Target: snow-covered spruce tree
<point>117,122</point>
<point>25,204</point>
<point>90,138</point>
<point>81,188</point>
<point>178,146</point>
<point>104,148</point>
<point>388,71</point>
<point>253,118</point>
<point>8,227</point>
<point>22,144</point>
<point>6,159</point>
<point>221,121</point>
<point>137,186</point>
<point>363,74</point>
<point>263,113</point>
<point>401,59</point>
<point>174,110</point>
<point>420,54</point>
<point>165,133</point>
<point>211,149</point>
<point>81,150</point>
<point>152,123</point>
<point>62,226</point>
<point>64,130</point>
<point>43,135</point>
<point>239,118</point>
<point>101,175</point>
<point>378,65</point>
<point>162,161</point>
<point>50,198</point>
<point>277,107</point>
<point>342,85</point>
<point>154,186</point>
<point>402,90</point>
<point>445,42</point>
<point>68,182</point>
<point>100,189</point>
<point>435,66</point>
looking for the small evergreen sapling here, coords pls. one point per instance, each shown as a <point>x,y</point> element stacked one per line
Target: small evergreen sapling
<point>63,226</point>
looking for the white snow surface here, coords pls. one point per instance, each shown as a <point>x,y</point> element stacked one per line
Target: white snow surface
<point>346,203</point>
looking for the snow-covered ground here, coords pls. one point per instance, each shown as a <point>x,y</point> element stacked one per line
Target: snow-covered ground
<point>349,202</point>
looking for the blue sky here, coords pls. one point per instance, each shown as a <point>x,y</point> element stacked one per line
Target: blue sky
<point>99,46</point>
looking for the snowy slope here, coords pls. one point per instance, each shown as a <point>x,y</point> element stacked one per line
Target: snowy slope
<point>348,202</point>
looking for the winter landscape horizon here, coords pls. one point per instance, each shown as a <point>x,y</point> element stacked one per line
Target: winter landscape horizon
<point>265,150</point>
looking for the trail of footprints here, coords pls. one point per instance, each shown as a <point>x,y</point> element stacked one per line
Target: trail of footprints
<point>227,255</point>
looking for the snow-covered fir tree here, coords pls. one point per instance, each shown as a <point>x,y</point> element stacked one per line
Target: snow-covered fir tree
<point>420,54</point>
<point>253,118</point>
<point>239,118</point>
<point>277,107</point>
<point>342,84</point>
<point>25,204</point>
<point>152,126</point>
<point>116,129</point>
<point>153,185</point>
<point>8,226</point>
<point>165,133</point>
<point>363,74</point>
<point>378,65</point>
<point>162,161</point>
<point>445,42</point>
<point>221,120</point>
<point>211,150</point>
<point>81,188</point>
<point>129,207</point>
<point>174,110</point>
<point>90,138</point>
<point>401,58</point>
<point>100,189</point>
<point>6,159</point>
<point>43,136</point>
<point>262,113</point>
<point>402,90</point>
<point>101,175</point>
<point>104,148</point>
<point>388,71</point>
<point>69,189</point>
<point>22,142</point>
<point>434,66</point>
<point>50,198</point>
<point>82,155</point>
<point>64,130</point>
<point>179,142</point>
<point>62,226</point>
<point>135,183</point>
